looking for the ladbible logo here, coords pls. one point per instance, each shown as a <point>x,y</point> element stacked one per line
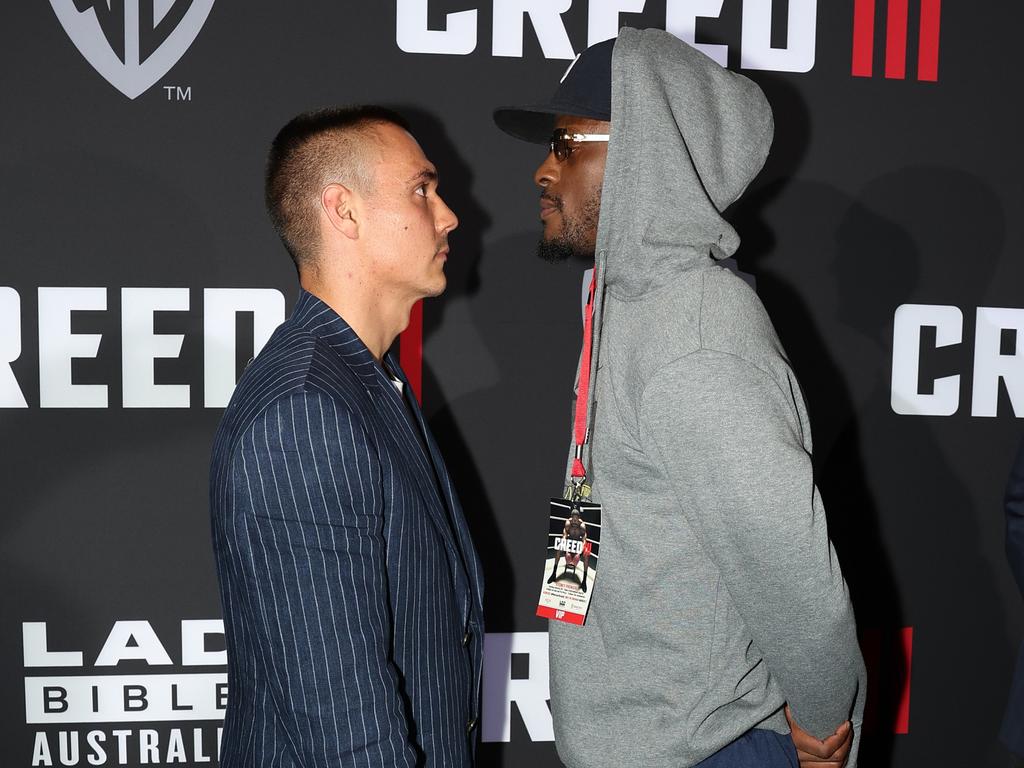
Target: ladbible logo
<point>153,710</point>
<point>897,34</point>
<point>132,43</point>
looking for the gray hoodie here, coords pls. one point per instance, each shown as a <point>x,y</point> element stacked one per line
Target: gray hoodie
<point>719,596</point>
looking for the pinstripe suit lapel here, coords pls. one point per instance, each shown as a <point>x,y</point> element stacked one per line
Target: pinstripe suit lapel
<point>418,464</point>
<point>393,418</point>
<point>469,560</point>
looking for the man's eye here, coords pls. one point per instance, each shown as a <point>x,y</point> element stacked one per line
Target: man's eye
<point>421,190</point>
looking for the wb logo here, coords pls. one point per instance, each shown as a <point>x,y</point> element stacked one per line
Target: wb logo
<point>132,43</point>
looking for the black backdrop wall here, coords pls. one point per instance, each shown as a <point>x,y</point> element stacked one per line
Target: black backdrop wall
<point>140,273</point>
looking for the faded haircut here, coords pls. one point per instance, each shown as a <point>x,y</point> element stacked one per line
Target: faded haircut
<point>313,150</point>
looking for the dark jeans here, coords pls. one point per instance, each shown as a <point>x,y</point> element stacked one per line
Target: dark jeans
<point>756,748</point>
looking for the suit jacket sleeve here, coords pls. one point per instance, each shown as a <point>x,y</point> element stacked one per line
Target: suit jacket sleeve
<point>730,440</point>
<point>308,534</point>
<point>1014,503</point>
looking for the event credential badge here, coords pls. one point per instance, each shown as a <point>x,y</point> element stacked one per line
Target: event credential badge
<point>570,570</point>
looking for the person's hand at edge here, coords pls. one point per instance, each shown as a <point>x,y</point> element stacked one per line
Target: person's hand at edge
<point>814,753</point>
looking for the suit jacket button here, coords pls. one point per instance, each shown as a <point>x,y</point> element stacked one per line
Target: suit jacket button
<point>465,638</point>
<point>470,726</point>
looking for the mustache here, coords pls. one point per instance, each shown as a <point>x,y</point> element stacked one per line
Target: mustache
<point>555,201</point>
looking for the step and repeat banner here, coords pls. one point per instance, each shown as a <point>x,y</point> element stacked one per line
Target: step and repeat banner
<point>140,274</point>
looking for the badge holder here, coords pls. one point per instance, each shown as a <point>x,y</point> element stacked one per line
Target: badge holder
<point>574,534</point>
<point>570,568</point>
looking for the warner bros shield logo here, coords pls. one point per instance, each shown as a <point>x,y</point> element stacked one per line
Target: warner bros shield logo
<point>132,43</point>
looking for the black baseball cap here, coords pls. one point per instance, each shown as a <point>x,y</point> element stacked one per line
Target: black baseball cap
<point>585,91</point>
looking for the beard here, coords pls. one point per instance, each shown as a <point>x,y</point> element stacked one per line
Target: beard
<point>559,249</point>
<point>578,234</point>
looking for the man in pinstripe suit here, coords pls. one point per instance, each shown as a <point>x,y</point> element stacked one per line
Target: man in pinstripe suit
<point>351,591</point>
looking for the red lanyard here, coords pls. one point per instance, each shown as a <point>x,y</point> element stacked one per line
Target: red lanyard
<point>579,472</point>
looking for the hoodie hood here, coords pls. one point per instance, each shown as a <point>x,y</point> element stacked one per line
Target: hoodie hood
<point>687,137</point>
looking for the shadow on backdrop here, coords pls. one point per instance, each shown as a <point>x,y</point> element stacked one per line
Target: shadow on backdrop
<point>462,270</point>
<point>456,187</point>
<point>832,271</point>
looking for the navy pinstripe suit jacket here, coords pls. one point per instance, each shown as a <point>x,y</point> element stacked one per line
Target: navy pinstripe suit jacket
<point>351,591</point>
<point>1012,731</point>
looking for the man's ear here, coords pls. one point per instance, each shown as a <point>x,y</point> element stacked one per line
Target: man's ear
<point>341,207</point>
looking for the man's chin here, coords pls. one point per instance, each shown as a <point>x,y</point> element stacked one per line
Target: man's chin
<point>558,249</point>
<point>437,288</point>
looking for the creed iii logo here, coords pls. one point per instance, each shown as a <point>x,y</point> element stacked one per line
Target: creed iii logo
<point>132,43</point>
<point>898,32</point>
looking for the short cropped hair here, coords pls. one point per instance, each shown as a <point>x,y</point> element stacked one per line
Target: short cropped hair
<point>313,150</point>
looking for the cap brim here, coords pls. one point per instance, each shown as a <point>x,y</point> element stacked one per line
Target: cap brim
<point>536,122</point>
<point>532,123</point>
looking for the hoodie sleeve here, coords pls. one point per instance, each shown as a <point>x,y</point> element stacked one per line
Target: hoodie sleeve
<point>730,440</point>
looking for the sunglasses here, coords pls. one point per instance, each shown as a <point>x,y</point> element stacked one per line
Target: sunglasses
<point>562,142</point>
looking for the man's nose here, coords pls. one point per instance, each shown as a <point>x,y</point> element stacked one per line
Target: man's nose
<point>548,172</point>
<point>445,218</point>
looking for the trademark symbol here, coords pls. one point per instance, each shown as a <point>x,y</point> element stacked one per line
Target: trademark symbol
<point>177,93</point>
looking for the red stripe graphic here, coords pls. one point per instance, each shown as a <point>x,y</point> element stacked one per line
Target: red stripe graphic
<point>902,724</point>
<point>888,656</point>
<point>928,52</point>
<point>863,37</point>
<point>410,350</point>
<point>896,40</point>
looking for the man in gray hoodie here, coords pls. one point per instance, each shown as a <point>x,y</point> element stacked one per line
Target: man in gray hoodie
<point>720,621</point>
